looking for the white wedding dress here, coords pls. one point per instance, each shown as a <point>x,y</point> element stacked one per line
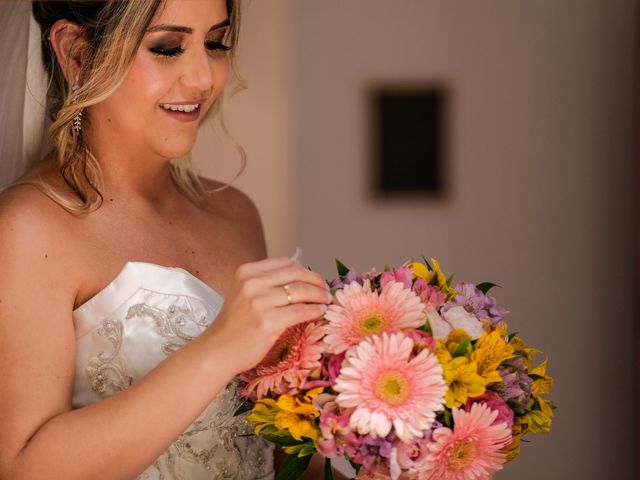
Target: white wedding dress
<point>147,312</point>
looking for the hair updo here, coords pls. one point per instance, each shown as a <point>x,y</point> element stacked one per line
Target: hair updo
<point>112,31</point>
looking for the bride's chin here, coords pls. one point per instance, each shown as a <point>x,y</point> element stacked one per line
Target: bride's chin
<point>175,149</point>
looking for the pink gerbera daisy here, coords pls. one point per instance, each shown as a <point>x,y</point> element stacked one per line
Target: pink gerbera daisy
<point>360,312</point>
<point>388,387</point>
<point>473,450</point>
<point>288,364</point>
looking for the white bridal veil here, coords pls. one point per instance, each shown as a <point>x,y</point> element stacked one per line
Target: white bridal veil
<point>23,86</point>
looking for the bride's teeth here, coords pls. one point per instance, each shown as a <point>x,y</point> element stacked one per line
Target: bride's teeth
<point>181,108</point>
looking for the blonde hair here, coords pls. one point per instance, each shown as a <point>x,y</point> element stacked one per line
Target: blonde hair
<point>112,33</point>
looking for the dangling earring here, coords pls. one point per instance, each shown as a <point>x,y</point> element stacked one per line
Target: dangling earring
<point>77,120</point>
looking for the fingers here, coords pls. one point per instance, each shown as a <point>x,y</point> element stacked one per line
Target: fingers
<point>300,313</point>
<point>262,266</point>
<point>294,272</point>
<point>277,272</point>
<point>300,292</point>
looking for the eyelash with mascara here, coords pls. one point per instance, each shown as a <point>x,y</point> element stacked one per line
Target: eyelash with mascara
<point>175,51</point>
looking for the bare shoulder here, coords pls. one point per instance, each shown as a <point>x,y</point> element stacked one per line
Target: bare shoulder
<point>35,237</point>
<point>26,210</point>
<point>235,201</point>
<point>236,206</point>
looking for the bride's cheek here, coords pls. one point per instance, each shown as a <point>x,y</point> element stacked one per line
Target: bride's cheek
<point>148,81</point>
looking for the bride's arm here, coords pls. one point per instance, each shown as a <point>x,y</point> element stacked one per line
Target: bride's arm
<point>116,438</point>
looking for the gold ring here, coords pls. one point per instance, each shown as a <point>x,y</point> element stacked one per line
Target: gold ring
<point>286,290</point>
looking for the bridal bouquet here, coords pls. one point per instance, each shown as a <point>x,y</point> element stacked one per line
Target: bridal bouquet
<point>408,376</point>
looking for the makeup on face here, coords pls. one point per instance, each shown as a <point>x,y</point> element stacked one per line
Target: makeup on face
<point>171,41</point>
<point>171,45</point>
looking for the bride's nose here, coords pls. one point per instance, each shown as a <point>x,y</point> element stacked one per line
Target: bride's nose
<point>199,71</point>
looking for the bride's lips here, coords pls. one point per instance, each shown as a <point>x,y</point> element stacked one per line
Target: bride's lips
<point>183,111</point>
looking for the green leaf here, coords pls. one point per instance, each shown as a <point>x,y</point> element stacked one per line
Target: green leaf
<point>486,286</point>
<point>450,280</point>
<point>512,336</point>
<point>307,449</point>
<point>293,467</point>
<point>447,418</point>
<point>301,449</point>
<point>328,473</point>
<point>426,327</point>
<point>461,350</point>
<point>272,430</point>
<point>342,268</point>
<point>283,441</point>
<point>244,407</point>
<point>426,262</point>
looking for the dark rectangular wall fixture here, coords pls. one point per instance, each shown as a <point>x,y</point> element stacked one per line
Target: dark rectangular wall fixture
<point>409,140</point>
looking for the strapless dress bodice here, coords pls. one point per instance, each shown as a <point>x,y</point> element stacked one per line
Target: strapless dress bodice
<point>145,314</point>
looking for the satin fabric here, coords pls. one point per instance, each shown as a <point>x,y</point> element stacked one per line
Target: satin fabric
<point>146,313</point>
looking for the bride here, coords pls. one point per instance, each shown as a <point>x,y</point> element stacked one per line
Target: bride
<point>118,353</point>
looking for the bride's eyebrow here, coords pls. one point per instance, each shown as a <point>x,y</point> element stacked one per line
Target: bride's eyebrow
<point>181,29</point>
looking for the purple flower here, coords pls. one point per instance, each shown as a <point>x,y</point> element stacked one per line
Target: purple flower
<point>476,302</point>
<point>373,447</point>
<point>515,388</point>
<point>352,276</point>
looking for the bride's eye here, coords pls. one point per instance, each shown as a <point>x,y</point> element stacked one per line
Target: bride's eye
<point>167,52</point>
<point>214,46</point>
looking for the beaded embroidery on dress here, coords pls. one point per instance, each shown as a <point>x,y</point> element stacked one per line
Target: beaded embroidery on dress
<point>145,314</point>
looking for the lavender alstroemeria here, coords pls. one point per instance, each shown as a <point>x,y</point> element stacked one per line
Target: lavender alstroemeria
<point>476,302</point>
<point>516,385</point>
<point>352,276</point>
<point>372,447</point>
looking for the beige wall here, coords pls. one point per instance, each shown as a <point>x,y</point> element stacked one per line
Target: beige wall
<point>542,176</point>
<point>542,183</point>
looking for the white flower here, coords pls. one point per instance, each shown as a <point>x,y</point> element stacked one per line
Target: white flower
<point>439,328</point>
<point>459,318</point>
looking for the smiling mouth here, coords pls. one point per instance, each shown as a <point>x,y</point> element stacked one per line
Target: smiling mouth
<point>180,108</point>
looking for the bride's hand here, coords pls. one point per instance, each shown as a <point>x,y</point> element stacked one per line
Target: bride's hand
<point>257,309</point>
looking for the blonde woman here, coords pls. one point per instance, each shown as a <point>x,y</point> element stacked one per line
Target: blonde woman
<point>118,352</point>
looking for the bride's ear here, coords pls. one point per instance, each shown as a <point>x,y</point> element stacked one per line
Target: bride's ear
<point>68,43</point>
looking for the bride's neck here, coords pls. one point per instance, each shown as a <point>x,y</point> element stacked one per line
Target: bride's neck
<point>133,174</point>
